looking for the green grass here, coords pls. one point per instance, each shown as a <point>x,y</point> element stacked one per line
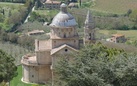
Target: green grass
<point>115,6</point>
<point>131,34</point>
<point>47,12</point>
<point>17,80</point>
<point>10,4</point>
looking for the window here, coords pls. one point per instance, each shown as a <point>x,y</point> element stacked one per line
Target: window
<point>89,36</point>
<point>66,50</point>
<point>64,35</point>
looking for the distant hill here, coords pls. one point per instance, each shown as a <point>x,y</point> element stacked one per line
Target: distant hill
<point>115,6</point>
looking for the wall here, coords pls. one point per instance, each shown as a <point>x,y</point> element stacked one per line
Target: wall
<point>25,73</point>
<point>43,57</point>
<point>59,32</point>
<point>44,73</point>
<point>71,42</point>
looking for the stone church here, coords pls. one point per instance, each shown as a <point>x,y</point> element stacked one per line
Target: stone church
<point>64,40</point>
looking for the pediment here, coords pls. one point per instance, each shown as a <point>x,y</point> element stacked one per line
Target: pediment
<point>64,49</point>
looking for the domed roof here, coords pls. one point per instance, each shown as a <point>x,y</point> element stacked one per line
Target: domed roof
<point>63,18</point>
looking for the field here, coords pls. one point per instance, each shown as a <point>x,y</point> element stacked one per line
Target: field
<point>9,4</point>
<point>115,6</point>
<point>131,34</point>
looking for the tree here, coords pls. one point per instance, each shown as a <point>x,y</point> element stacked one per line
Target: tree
<point>90,67</point>
<point>129,12</point>
<point>8,70</point>
<point>38,4</point>
<point>133,16</point>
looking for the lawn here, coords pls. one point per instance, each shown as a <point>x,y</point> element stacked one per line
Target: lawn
<point>47,12</point>
<point>17,80</point>
<point>115,6</point>
<point>10,4</point>
<point>131,34</point>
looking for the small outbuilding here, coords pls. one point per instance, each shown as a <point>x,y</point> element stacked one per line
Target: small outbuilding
<point>50,4</point>
<point>117,38</point>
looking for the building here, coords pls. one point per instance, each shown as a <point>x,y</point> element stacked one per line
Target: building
<point>64,40</point>
<point>117,38</point>
<point>89,29</point>
<point>35,32</point>
<point>52,4</point>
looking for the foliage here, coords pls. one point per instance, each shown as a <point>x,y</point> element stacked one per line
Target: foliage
<point>86,4</point>
<point>14,1</point>
<point>24,41</point>
<point>7,67</point>
<point>15,50</point>
<point>47,15</point>
<point>133,16</point>
<point>3,83</point>
<point>92,66</point>
<point>129,12</point>
<point>38,4</point>
<point>34,16</point>
<point>102,21</point>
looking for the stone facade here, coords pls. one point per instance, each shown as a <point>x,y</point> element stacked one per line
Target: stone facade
<point>64,40</point>
<point>89,29</point>
<point>50,4</point>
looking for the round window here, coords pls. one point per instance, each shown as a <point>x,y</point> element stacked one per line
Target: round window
<point>66,50</point>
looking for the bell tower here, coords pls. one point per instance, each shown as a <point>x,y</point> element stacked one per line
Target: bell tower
<point>89,29</point>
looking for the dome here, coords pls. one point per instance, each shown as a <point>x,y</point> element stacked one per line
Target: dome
<point>63,18</point>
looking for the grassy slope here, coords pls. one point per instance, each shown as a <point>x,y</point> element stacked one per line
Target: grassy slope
<point>115,6</point>
<point>17,80</point>
<point>132,34</point>
<point>9,4</point>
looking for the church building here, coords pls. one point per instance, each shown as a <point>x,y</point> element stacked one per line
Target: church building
<point>64,40</point>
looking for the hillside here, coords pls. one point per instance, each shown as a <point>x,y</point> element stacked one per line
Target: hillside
<point>115,6</point>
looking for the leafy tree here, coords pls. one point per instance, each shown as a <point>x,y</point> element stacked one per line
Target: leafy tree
<point>1,18</point>
<point>133,16</point>
<point>8,70</point>
<point>129,12</point>
<point>90,67</point>
<point>38,4</point>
